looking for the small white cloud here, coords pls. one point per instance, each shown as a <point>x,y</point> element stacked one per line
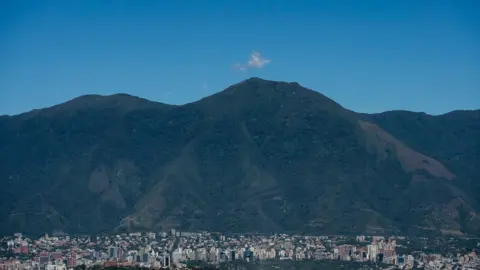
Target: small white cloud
<point>255,61</point>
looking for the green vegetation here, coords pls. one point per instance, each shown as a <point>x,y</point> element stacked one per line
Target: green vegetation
<point>437,245</point>
<point>98,267</point>
<point>265,265</point>
<point>259,156</point>
<point>303,264</point>
<point>199,265</point>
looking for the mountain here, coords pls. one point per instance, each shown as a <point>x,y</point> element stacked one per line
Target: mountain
<point>258,156</point>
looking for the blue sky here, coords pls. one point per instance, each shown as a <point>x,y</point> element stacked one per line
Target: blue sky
<point>369,56</point>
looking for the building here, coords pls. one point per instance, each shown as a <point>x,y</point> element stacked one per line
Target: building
<point>166,260</point>
<point>176,256</point>
<point>44,258</point>
<point>72,260</point>
<point>113,252</point>
<point>145,258</point>
<point>248,255</point>
<point>138,259</point>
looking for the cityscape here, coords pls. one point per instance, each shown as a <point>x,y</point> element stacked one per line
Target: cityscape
<point>185,250</point>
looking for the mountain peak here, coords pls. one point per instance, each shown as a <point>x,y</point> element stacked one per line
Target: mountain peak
<point>259,86</point>
<point>256,94</point>
<point>121,102</point>
<point>106,101</point>
<point>256,80</point>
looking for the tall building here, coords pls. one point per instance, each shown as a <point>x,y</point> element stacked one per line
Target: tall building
<point>138,258</point>
<point>166,259</point>
<point>72,261</point>
<point>73,257</point>
<point>372,251</point>
<point>113,252</point>
<point>145,257</point>
<point>44,258</point>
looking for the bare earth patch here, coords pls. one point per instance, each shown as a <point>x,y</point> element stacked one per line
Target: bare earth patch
<point>380,141</point>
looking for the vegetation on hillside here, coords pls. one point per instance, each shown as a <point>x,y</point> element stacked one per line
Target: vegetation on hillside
<point>259,156</point>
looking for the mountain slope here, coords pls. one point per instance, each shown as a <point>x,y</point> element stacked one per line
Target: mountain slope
<point>258,156</point>
<point>452,138</point>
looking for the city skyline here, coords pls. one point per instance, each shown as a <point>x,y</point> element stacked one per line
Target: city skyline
<point>185,249</point>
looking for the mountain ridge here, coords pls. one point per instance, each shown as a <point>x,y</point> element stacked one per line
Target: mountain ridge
<point>260,155</point>
<point>159,103</point>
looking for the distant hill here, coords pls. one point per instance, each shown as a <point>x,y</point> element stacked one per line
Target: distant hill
<point>259,156</point>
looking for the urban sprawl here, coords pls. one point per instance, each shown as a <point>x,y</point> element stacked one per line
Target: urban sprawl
<point>175,249</point>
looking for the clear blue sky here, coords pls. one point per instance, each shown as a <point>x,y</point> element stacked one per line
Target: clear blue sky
<point>369,56</point>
